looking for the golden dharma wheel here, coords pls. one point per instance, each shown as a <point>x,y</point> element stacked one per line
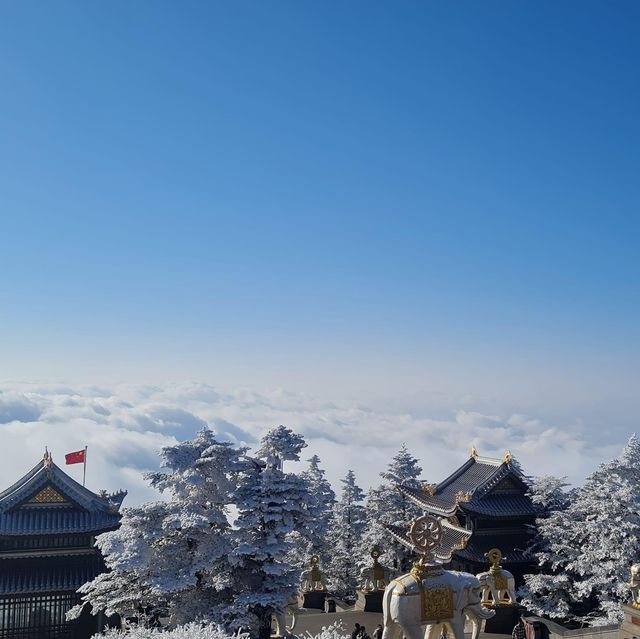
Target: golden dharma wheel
<point>494,556</point>
<point>425,533</point>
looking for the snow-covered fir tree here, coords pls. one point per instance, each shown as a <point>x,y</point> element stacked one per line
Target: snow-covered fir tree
<point>271,505</point>
<point>587,548</point>
<point>549,590</point>
<point>345,537</point>
<point>173,556</point>
<point>386,505</point>
<point>313,540</point>
<point>550,494</point>
<point>374,535</point>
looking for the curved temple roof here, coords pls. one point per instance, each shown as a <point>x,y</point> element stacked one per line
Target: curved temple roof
<point>470,488</point>
<point>453,538</point>
<point>47,501</point>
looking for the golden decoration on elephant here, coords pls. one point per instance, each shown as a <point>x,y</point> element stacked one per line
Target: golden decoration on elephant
<point>374,577</point>
<point>495,557</point>
<point>437,604</point>
<point>312,578</point>
<point>377,568</point>
<point>315,568</point>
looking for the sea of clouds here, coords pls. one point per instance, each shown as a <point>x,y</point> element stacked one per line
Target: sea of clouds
<point>124,427</point>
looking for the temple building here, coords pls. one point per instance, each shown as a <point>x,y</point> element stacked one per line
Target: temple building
<point>48,525</point>
<point>487,497</point>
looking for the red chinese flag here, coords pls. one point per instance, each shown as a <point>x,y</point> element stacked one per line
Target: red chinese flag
<point>76,457</point>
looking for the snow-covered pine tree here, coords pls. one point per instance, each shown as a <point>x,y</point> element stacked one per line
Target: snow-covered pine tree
<point>549,494</point>
<point>313,540</point>
<point>374,535</point>
<point>589,547</point>
<point>386,505</point>
<point>547,593</point>
<point>174,555</point>
<point>345,538</point>
<point>271,505</point>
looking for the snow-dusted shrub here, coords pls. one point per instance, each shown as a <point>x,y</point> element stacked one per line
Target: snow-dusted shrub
<point>196,631</point>
<point>335,631</point>
<point>188,631</point>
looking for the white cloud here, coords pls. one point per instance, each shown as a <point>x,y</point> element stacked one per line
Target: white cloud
<point>125,426</point>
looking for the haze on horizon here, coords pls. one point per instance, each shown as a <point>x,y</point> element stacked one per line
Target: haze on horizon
<point>422,208</point>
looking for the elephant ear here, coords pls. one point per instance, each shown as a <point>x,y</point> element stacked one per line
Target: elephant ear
<point>462,592</point>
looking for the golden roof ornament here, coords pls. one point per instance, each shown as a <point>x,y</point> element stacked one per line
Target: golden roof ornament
<point>507,457</point>
<point>429,489</point>
<point>474,453</point>
<point>463,496</point>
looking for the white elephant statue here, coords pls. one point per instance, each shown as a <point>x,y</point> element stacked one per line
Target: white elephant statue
<point>374,578</point>
<point>312,579</point>
<point>283,629</point>
<point>501,586</point>
<point>418,604</point>
<point>497,582</point>
<point>634,585</point>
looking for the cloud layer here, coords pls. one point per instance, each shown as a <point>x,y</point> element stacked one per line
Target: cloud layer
<point>125,426</point>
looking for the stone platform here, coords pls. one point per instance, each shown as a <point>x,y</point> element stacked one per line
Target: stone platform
<point>369,601</point>
<point>313,600</point>
<point>504,620</point>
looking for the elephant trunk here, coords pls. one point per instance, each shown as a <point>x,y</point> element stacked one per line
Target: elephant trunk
<point>480,611</point>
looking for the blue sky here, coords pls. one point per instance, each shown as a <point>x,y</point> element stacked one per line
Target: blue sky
<point>373,199</point>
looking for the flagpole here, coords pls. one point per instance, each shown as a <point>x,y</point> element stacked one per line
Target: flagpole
<point>84,471</point>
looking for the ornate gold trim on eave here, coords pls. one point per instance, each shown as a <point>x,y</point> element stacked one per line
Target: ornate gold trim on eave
<point>48,495</point>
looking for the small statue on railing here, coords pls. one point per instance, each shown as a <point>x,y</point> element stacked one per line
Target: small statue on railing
<point>497,582</point>
<point>634,585</point>
<point>376,576</point>
<point>312,579</point>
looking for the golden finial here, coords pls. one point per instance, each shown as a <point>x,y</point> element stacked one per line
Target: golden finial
<point>47,458</point>
<point>429,489</point>
<point>507,457</point>
<point>474,452</point>
<point>463,496</point>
